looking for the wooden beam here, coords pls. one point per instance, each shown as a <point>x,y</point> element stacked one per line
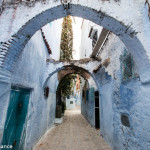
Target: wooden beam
<point>100,41</point>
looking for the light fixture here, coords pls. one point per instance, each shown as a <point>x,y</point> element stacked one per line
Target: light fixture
<point>66,4</point>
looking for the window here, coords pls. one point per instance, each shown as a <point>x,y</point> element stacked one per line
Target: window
<point>71,102</point>
<point>94,40</point>
<point>93,34</point>
<point>46,92</point>
<point>127,66</point>
<point>90,33</point>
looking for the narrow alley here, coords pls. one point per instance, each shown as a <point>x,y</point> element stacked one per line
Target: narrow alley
<point>75,133</point>
<point>57,56</point>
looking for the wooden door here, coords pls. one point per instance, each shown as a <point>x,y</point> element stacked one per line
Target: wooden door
<point>15,126</point>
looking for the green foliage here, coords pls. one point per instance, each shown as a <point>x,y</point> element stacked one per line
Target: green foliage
<point>127,66</point>
<point>66,39</point>
<point>66,85</point>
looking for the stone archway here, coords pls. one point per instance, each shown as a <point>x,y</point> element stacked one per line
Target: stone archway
<point>68,69</point>
<point>90,77</point>
<point>101,13</point>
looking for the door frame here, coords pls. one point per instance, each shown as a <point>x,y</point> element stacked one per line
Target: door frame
<point>20,88</point>
<point>98,96</point>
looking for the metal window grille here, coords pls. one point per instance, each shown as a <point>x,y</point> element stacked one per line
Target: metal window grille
<point>94,40</point>
<point>90,32</point>
<point>127,66</point>
<point>46,92</point>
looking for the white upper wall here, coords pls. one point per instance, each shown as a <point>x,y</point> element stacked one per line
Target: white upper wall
<point>52,32</point>
<point>86,43</point>
<point>76,26</point>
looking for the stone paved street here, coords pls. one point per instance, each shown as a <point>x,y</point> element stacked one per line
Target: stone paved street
<point>74,134</point>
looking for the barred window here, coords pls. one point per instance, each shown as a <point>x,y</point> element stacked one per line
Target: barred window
<point>127,66</point>
<point>46,92</point>
<point>94,40</point>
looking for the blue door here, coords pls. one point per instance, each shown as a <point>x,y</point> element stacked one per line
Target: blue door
<point>15,125</point>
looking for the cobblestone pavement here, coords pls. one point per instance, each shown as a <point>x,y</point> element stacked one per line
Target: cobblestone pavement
<point>74,134</point>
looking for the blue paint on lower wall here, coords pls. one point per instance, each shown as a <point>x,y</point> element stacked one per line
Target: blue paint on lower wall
<point>30,72</point>
<point>88,108</point>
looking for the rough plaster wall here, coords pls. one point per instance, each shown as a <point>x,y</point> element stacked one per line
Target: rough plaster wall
<point>134,100</point>
<point>120,10</point>
<point>113,49</point>
<point>125,97</point>
<point>112,15</point>
<point>30,72</point>
<point>116,98</point>
<point>106,112</point>
<point>51,101</point>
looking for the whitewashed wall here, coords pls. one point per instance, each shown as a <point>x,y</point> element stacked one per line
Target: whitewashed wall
<point>30,73</point>
<point>119,97</point>
<point>86,42</point>
<point>52,33</point>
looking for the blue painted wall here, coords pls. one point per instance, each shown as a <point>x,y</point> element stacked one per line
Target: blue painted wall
<point>30,72</point>
<point>88,108</point>
<point>106,111</point>
<point>128,97</point>
<point>134,101</point>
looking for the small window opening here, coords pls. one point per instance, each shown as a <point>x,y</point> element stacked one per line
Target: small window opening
<point>46,92</point>
<point>127,66</point>
<point>94,40</point>
<point>91,30</point>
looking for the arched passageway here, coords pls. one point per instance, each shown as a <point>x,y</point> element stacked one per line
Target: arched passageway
<point>89,85</point>
<point>63,70</point>
<point>25,30</point>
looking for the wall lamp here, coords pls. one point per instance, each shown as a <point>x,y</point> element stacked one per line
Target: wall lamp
<point>66,4</point>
